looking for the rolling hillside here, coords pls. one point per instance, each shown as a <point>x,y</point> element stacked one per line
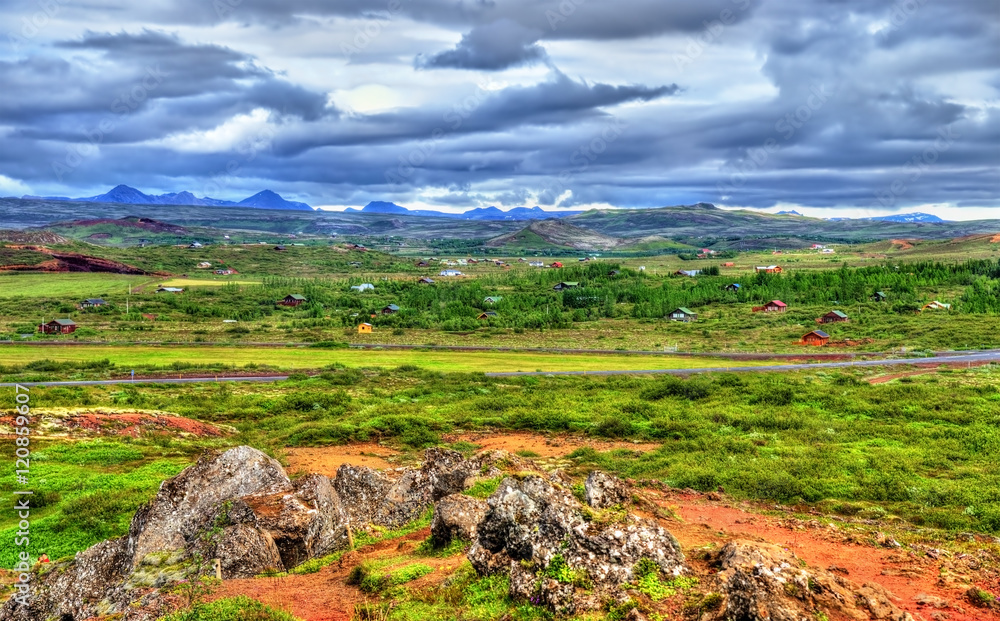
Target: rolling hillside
<point>548,234</point>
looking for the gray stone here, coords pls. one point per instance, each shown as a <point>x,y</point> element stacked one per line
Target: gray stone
<point>603,490</point>
<point>457,517</point>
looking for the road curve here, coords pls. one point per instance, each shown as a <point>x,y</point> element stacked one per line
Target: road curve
<point>972,359</point>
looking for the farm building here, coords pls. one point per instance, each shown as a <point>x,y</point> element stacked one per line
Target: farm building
<point>293,300</point>
<point>827,251</point>
<point>614,273</point>
<point>833,316</point>
<point>58,326</point>
<point>735,287</point>
<point>688,273</point>
<point>492,299</point>
<point>770,269</point>
<point>565,285</point>
<point>536,264</point>
<point>92,303</point>
<point>365,328</point>
<point>204,265</point>
<point>170,290</point>
<point>683,314</point>
<point>225,272</point>
<point>423,264</point>
<point>728,264</point>
<point>392,309</point>
<point>816,337</point>
<point>426,281</point>
<point>365,286</point>
<point>879,296</point>
<point>279,248</point>
<point>487,315</point>
<point>195,245</point>
<point>450,273</point>
<point>774,306</point>
<point>935,305</point>
<point>556,264</point>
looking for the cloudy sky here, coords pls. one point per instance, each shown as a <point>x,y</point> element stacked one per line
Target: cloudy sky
<point>830,107</point>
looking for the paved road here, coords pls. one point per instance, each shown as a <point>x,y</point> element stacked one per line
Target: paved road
<point>972,359</point>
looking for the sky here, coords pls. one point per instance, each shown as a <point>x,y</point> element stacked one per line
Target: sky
<point>827,107</point>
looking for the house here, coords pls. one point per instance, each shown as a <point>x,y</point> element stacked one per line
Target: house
<point>827,251</point>
<point>565,285</point>
<point>225,272</point>
<point>58,326</point>
<point>879,296</point>
<point>734,287</point>
<point>392,309</point>
<point>770,269</point>
<point>818,246</point>
<point>556,264</point>
<point>195,245</point>
<point>487,315</point>
<point>834,316</point>
<point>426,281</point>
<point>683,314</point>
<point>492,299</point>
<point>293,300</point>
<point>423,264</point>
<point>355,264</point>
<point>204,265</point>
<point>170,290</point>
<point>776,252</point>
<point>365,286</point>
<point>450,273</point>
<point>365,328</point>
<point>689,273</point>
<point>92,303</point>
<point>935,305</point>
<point>536,264</point>
<point>816,337</point>
<point>774,306</point>
<point>279,248</point>
<point>728,264</point>
<point>614,273</point>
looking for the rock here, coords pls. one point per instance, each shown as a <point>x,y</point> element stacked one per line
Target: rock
<point>366,488</point>
<point>762,581</point>
<point>173,518</point>
<point>448,472</point>
<point>457,517</point>
<point>534,527</point>
<point>603,490</point>
<point>407,499</point>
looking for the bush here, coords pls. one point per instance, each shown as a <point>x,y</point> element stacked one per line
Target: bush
<point>240,608</point>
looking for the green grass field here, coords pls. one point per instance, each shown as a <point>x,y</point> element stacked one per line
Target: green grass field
<point>316,358</point>
<point>83,285</point>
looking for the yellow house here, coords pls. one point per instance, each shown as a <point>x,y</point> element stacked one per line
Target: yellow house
<point>365,328</point>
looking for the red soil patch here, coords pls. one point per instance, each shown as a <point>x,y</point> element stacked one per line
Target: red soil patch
<point>133,424</point>
<point>73,262</point>
<point>326,460</point>
<point>556,445</point>
<point>902,243</point>
<point>901,571</point>
<point>995,239</point>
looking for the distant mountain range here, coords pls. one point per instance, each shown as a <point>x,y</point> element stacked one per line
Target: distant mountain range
<point>130,196</point>
<point>480,213</point>
<point>899,217</point>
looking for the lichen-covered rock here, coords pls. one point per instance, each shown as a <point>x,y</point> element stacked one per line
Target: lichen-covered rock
<point>533,524</point>
<point>448,472</point>
<point>379,500</point>
<point>603,490</point>
<point>457,517</point>
<point>759,581</point>
<point>173,519</point>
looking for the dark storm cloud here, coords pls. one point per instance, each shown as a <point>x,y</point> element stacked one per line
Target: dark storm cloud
<point>499,45</point>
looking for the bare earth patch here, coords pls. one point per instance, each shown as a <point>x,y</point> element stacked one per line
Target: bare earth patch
<point>134,423</point>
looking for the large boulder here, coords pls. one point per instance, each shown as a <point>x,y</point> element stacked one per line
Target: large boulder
<point>457,517</point>
<point>376,499</point>
<point>760,581</point>
<point>603,490</point>
<point>562,554</point>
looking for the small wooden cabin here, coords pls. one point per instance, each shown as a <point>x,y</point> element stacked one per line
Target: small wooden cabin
<point>487,315</point>
<point>365,328</point>
<point>391,309</point>
<point>817,338</point>
<point>293,300</point>
<point>834,316</point>
<point>565,285</point>
<point>774,306</point>
<point>92,303</point>
<point>58,326</point>
<point>683,314</point>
